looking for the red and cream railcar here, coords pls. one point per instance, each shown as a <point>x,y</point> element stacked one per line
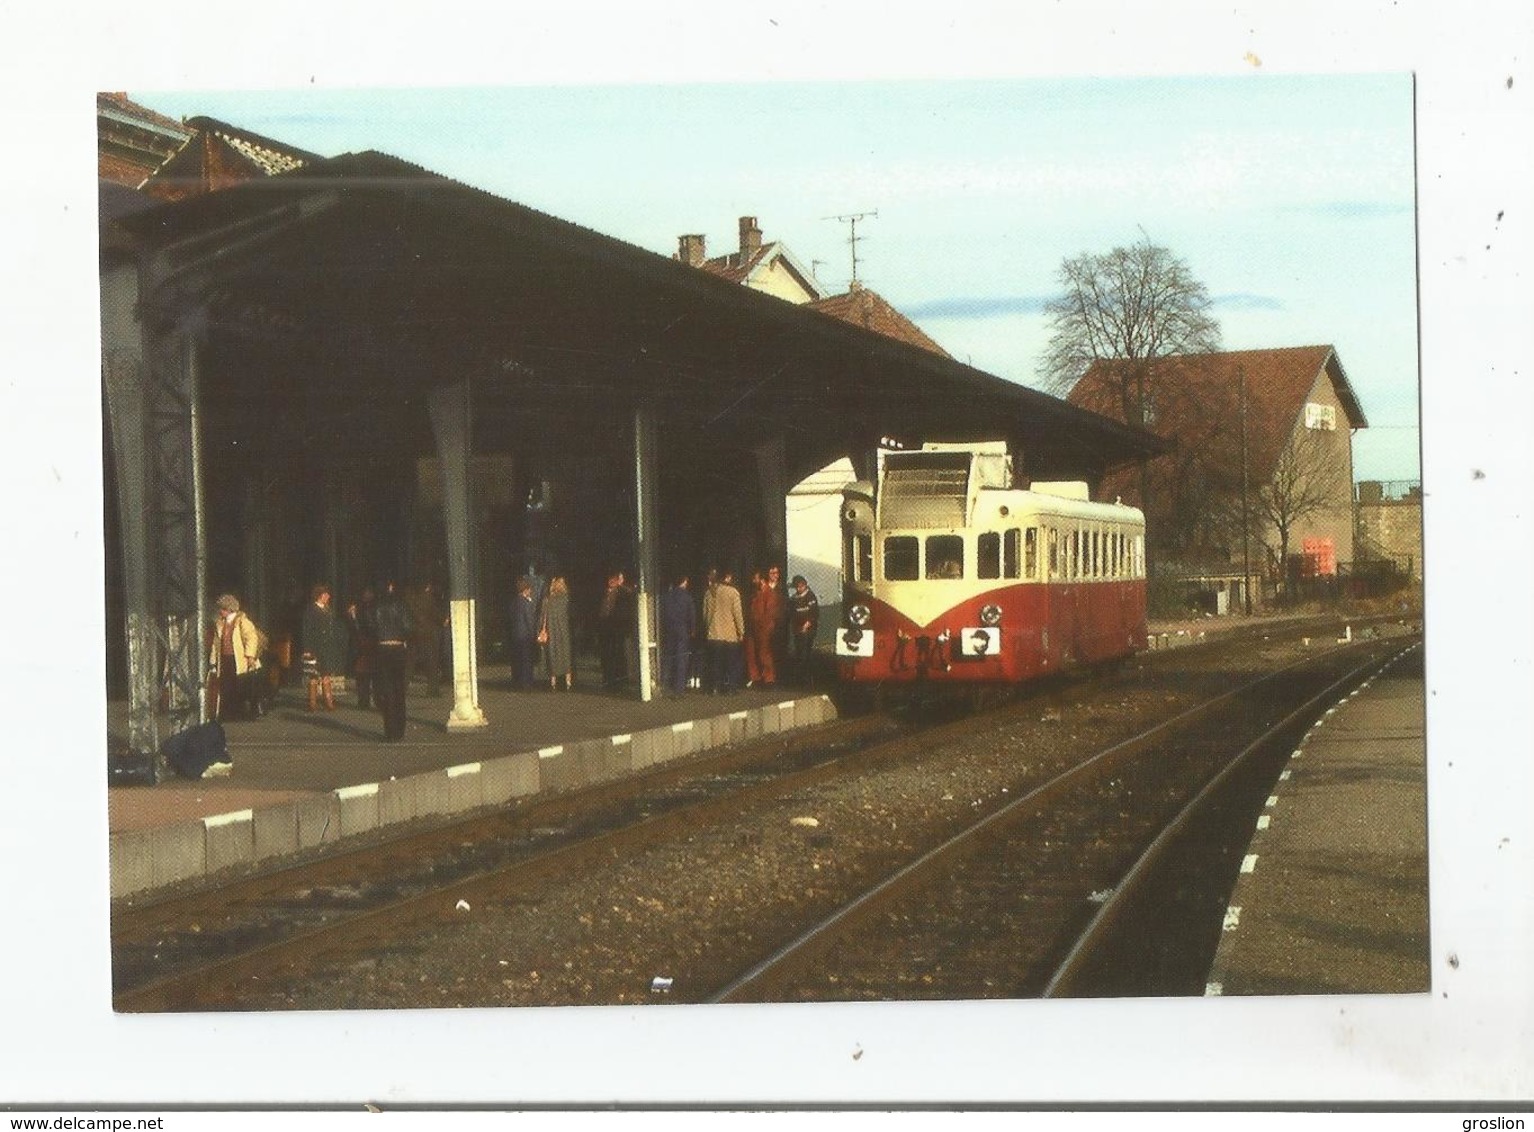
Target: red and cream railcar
<point>954,576</point>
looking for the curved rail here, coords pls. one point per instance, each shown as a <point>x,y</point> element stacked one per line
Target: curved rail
<point>1070,975</point>
<point>792,957</point>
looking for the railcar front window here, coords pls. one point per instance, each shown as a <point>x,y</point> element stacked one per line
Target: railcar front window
<point>901,558</point>
<point>1009,553</point>
<point>945,556</point>
<point>1054,552</point>
<point>860,558</point>
<point>1031,553</point>
<point>987,554</point>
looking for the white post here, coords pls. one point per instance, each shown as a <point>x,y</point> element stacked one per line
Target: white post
<point>646,550</point>
<point>450,422</point>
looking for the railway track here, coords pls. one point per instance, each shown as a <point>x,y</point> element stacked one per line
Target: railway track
<point>211,950</point>
<point>1073,889</point>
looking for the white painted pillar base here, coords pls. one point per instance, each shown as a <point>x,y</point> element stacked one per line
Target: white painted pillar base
<point>466,714</point>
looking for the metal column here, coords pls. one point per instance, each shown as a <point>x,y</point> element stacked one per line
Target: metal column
<point>646,546</point>
<point>771,477</point>
<point>452,425</point>
<point>150,373</point>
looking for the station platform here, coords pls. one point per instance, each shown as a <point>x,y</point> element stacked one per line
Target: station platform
<point>302,779</point>
<point>1333,893</point>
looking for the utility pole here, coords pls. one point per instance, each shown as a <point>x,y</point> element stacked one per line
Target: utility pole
<point>1246,526</point>
<point>851,220</point>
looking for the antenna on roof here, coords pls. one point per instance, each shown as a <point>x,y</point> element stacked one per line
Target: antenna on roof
<point>851,220</point>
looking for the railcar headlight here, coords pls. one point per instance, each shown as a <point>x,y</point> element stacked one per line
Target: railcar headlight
<point>859,615</point>
<point>990,614</point>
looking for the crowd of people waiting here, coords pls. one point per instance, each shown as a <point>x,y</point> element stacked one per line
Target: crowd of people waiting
<point>376,641</point>
<point>713,641</point>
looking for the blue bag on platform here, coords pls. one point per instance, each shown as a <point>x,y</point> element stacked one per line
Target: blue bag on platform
<point>193,751</point>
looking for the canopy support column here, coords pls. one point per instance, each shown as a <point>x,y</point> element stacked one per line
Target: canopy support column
<point>151,379</point>
<point>451,423</point>
<point>771,477</point>
<point>646,548</point>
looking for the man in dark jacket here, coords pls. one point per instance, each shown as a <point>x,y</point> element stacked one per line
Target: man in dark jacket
<point>803,619</point>
<point>393,625</point>
<point>678,627</point>
<point>615,623</point>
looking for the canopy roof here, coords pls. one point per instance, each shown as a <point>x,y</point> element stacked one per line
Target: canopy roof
<point>369,256</point>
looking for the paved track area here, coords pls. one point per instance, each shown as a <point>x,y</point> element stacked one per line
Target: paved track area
<point>1333,896</point>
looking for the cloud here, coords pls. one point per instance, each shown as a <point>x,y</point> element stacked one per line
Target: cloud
<point>1245,301</point>
<point>1348,209</point>
<point>989,306</point>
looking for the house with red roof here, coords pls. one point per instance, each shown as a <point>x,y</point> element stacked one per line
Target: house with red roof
<point>218,155</point>
<point>132,141</point>
<point>142,149</point>
<point>761,265</point>
<point>769,266</point>
<point>813,517</point>
<point>1271,428</point>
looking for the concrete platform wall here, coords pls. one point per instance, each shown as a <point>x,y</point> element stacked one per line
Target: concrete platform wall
<point>149,859</point>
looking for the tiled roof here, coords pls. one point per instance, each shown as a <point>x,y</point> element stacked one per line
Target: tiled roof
<point>269,160</point>
<point>117,101</point>
<point>735,269</point>
<point>872,311</point>
<point>132,140</point>
<point>219,155</point>
<point>1278,381</point>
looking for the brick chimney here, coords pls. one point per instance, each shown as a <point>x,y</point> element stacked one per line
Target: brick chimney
<point>750,238</point>
<point>690,250</point>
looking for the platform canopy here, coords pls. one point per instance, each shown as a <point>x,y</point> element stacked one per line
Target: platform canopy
<point>423,281</point>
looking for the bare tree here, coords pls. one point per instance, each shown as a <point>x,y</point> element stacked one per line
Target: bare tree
<point>1307,480</point>
<point>1132,304</point>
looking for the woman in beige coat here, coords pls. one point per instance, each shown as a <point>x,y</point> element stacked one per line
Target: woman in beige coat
<point>234,651</point>
<point>724,625</point>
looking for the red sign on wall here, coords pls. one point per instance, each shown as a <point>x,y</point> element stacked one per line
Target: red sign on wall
<point>1320,558</point>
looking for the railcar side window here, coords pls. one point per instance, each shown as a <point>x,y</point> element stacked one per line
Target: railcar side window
<point>1009,554</point>
<point>945,556</point>
<point>1031,553</point>
<point>987,554</point>
<point>1054,552</point>
<point>901,558</point>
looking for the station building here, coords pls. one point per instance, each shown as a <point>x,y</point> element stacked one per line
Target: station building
<point>351,368</point>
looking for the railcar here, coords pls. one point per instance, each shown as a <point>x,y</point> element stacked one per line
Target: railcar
<point>954,576</point>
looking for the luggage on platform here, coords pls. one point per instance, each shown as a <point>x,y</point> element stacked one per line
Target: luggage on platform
<point>191,752</point>
<point>130,768</point>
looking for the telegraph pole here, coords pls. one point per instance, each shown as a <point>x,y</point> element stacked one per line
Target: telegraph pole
<point>1246,526</point>
<point>851,220</point>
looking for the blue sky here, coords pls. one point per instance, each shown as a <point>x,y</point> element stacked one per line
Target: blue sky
<point>1291,197</point>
